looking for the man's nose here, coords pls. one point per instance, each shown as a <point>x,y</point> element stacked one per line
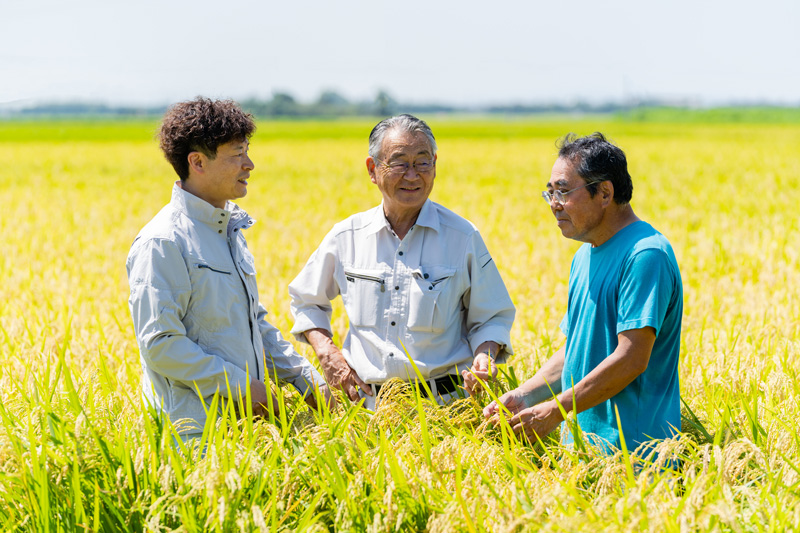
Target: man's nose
<point>248,163</point>
<point>411,173</point>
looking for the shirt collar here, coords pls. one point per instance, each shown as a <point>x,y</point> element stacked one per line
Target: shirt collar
<point>428,217</point>
<point>202,211</point>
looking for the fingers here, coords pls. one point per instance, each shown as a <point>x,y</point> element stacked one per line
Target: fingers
<point>263,409</point>
<point>350,391</point>
<point>473,378</point>
<point>516,420</point>
<point>482,374</point>
<point>330,399</point>
<point>485,365</point>
<point>490,409</point>
<point>525,424</point>
<point>276,407</point>
<point>366,388</point>
<point>470,382</point>
<point>520,429</point>
<point>349,387</point>
<point>311,401</point>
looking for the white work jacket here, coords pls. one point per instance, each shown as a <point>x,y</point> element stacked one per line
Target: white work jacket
<point>196,313</point>
<point>433,297</point>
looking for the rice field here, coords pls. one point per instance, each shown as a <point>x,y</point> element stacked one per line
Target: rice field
<point>79,451</point>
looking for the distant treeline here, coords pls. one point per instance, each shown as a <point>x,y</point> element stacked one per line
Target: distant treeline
<point>331,104</point>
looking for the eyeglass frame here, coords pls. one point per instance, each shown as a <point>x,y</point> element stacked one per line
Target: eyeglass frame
<point>390,168</point>
<point>558,196</point>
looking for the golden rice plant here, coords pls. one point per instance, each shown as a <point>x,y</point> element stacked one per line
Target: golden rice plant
<point>78,449</point>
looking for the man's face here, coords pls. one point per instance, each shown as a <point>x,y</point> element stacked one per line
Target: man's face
<point>403,191</point>
<point>224,177</point>
<point>580,216</point>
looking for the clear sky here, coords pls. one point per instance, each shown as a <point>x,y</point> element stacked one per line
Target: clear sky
<point>453,51</point>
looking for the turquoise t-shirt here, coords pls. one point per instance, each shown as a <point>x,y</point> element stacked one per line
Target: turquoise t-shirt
<point>629,282</point>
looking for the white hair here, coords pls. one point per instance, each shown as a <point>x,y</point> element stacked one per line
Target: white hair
<point>405,123</point>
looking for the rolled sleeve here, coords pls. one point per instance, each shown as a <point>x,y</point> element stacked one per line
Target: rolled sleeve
<point>313,290</point>
<point>160,292</point>
<point>490,311</point>
<point>283,361</point>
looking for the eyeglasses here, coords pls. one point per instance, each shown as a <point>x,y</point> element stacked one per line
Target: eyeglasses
<point>399,168</point>
<point>559,196</point>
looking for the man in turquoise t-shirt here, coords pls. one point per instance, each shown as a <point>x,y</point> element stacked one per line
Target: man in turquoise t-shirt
<point>623,320</point>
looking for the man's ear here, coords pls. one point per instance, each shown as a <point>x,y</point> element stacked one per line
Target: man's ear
<point>372,170</point>
<point>606,190</point>
<point>197,162</point>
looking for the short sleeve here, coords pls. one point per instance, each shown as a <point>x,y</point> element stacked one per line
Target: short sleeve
<point>646,288</point>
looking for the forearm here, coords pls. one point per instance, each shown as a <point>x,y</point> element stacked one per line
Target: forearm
<point>321,341</point>
<point>615,373</point>
<point>283,361</point>
<point>546,382</point>
<point>604,382</point>
<point>180,360</point>
<point>338,373</point>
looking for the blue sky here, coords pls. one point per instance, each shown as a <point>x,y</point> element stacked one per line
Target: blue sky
<point>461,52</point>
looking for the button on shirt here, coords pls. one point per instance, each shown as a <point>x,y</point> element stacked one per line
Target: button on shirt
<point>436,294</point>
<point>196,314</point>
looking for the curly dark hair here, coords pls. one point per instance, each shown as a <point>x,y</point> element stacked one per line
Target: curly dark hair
<point>597,159</point>
<point>201,125</point>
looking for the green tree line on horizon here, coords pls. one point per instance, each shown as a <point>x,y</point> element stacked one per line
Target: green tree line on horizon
<point>331,104</point>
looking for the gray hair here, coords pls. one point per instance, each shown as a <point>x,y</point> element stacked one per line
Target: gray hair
<point>405,123</point>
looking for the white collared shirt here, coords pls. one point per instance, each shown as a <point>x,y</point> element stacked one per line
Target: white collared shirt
<point>433,297</point>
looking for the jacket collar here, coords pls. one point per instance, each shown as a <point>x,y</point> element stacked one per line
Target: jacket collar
<point>201,211</point>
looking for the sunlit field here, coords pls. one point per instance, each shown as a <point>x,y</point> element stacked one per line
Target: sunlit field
<point>79,451</point>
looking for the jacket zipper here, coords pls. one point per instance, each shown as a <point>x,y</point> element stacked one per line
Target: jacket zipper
<point>249,310</point>
<point>376,279</point>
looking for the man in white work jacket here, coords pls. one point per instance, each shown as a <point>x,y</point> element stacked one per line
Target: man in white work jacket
<point>199,324</point>
<point>421,291</point>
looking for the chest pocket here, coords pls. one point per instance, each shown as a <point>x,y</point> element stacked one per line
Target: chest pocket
<point>212,285</point>
<point>363,296</point>
<point>248,266</point>
<point>429,299</point>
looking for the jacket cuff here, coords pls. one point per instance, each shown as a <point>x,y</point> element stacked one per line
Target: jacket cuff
<point>495,333</point>
<point>307,380</point>
<point>309,319</point>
